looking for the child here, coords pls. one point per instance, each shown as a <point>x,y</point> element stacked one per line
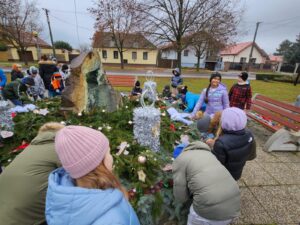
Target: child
<point>199,176</point>
<point>215,96</point>
<point>233,147</point>
<point>2,81</point>
<point>38,89</point>
<point>166,93</point>
<point>57,85</point>
<point>175,81</point>
<point>240,94</point>
<point>136,90</point>
<point>85,190</point>
<point>189,99</point>
<point>16,72</point>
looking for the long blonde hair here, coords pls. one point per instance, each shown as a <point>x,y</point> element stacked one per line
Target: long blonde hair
<point>100,178</point>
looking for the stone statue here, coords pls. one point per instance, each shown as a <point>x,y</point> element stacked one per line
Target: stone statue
<point>88,87</point>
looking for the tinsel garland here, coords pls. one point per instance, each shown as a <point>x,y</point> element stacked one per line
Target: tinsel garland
<point>152,93</point>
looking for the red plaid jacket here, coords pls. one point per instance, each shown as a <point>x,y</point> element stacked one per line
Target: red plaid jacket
<point>240,96</point>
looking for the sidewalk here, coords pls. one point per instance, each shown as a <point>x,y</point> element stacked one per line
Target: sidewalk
<point>270,186</point>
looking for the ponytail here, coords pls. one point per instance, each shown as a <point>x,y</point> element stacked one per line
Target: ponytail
<point>206,94</point>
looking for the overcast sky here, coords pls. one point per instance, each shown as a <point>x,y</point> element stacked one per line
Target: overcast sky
<point>280,20</point>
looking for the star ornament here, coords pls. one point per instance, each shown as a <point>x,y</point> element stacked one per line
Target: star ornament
<point>142,176</point>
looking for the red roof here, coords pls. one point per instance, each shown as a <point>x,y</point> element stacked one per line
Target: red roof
<point>239,47</point>
<point>276,58</point>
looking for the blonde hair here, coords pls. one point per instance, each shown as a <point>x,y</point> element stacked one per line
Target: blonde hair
<point>51,126</point>
<point>100,178</point>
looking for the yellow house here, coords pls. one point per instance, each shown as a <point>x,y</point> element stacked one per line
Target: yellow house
<point>137,49</point>
<point>36,47</point>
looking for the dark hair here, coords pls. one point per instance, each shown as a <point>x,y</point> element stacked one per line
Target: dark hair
<point>214,75</point>
<point>28,81</point>
<point>137,84</point>
<point>44,57</point>
<point>64,67</point>
<point>183,90</point>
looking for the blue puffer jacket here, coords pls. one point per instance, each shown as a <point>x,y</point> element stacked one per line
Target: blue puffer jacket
<point>67,204</point>
<point>190,100</point>
<point>2,78</point>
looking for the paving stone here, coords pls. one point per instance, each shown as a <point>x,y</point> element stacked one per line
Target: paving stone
<point>294,191</point>
<point>294,166</point>
<point>252,211</point>
<point>279,203</point>
<point>287,156</point>
<point>253,175</point>
<point>282,173</point>
<point>263,156</point>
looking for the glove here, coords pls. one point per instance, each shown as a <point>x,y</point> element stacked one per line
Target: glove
<point>57,91</point>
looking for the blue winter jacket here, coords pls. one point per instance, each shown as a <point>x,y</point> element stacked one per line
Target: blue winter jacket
<point>2,78</point>
<point>190,100</point>
<point>67,204</point>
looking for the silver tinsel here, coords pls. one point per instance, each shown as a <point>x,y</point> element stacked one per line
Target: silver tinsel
<point>151,86</point>
<point>146,127</point>
<point>6,121</point>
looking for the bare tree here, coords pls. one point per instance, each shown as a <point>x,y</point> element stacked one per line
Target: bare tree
<point>118,19</point>
<point>18,20</point>
<point>171,20</point>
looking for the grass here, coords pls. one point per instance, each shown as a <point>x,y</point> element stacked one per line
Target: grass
<point>9,64</point>
<point>285,92</point>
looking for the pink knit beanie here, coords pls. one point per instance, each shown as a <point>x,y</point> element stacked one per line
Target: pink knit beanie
<point>233,119</point>
<point>80,149</point>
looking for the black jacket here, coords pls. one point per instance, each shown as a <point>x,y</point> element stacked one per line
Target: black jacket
<point>46,69</point>
<point>16,74</point>
<point>233,149</point>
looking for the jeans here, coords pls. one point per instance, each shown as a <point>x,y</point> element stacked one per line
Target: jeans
<point>16,102</point>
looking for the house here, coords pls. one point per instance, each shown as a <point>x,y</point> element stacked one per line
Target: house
<point>137,49</point>
<point>239,53</point>
<point>36,47</point>
<point>275,59</point>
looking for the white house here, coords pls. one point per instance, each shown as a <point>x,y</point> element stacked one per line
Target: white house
<point>188,56</point>
<point>239,53</point>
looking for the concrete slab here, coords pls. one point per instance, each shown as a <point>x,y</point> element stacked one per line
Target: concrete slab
<point>252,211</point>
<point>262,156</point>
<point>278,203</point>
<point>294,166</point>
<point>253,175</point>
<point>287,156</point>
<point>282,173</point>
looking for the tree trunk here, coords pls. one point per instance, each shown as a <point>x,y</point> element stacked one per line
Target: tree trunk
<point>122,61</point>
<point>198,62</point>
<point>24,56</point>
<point>179,60</point>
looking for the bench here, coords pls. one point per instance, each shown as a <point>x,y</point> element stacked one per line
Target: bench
<point>121,80</point>
<point>281,118</point>
<point>274,114</point>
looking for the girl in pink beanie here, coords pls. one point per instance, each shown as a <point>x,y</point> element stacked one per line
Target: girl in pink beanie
<point>85,190</point>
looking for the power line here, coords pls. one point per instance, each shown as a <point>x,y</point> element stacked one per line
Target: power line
<point>66,22</point>
<point>76,22</point>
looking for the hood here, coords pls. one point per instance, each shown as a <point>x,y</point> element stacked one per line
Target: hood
<point>68,204</point>
<point>197,145</point>
<point>47,62</point>
<point>233,119</point>
<point>177,72</point>
<point>43,137</point>
<point>222,87</point>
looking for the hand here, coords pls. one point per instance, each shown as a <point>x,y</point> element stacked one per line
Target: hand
<point>210,142</point>
<point>57,91</point>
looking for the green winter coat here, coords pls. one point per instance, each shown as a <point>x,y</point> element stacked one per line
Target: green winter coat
<point>199,175</point>
<point>12,90</point>
<point>23,184</point>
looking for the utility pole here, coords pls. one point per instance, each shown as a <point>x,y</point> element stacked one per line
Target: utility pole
<point>51,37</point>
<point>251,51</point>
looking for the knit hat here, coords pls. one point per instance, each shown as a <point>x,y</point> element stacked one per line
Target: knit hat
<point>80,149</point>
<point>64,67</point>
<point>244,76</point>
<point>137,84</point>
<point>216,74</point>
<point>33,70</point>
<point>203,123</point>
<point>28,81</point>
<point>233,119</point>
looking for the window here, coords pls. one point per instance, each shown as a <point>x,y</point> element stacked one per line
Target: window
<point>253,60</point>
<point>134,55</point>
<point>104,54</point>
<point>243,59</point>
<point>186,52</point>
<point>145,55</point>
<point>116,55</point>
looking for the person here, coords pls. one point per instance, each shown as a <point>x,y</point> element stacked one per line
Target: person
<point>23,183</point>
<point>175,81</point>
<point>199,176</point>
<point>2,81</point>
<point>38,89</point>
<point>46,70</point>
<point>189,99</point>
<point>64,71</point>
<point>12,90</point>
<point>57,85</point>
<point>136,90</point>
<point>16,72</point>
<point>240,94</point>
<point>166,93</point>
<point>85,190</point>
<point>215,96</point>
<point>234,146</point>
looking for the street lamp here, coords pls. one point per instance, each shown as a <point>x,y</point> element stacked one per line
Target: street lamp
<point>36,35</point>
